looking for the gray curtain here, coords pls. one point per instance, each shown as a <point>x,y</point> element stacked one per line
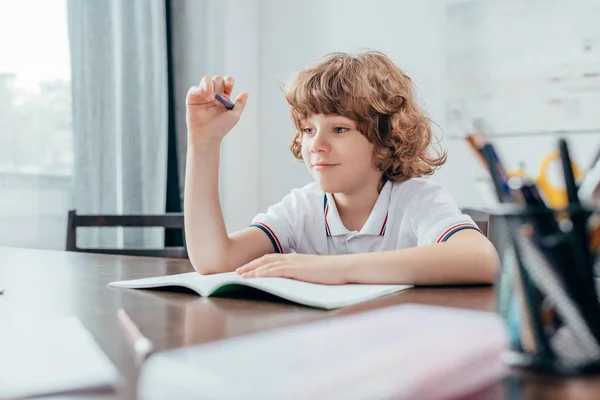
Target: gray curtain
<point>120,113</point>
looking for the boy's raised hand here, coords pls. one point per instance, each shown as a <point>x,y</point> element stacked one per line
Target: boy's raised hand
<point>208,121</point>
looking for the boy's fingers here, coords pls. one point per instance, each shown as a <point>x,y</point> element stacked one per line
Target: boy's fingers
<point>218,84</point>
<point>195,96</point>
<point>240,102</point>
<point>203,93</point>
<point>192,92</point>
<point>206,85</point>
<point>228,83</point>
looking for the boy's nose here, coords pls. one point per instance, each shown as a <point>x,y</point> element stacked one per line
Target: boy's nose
<point>319,143</point>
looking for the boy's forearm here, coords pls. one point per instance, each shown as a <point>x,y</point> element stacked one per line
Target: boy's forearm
<point>439,264</point>
<point>206,234</point>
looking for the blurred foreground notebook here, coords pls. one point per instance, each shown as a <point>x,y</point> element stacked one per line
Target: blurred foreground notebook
<point>400,352</point>
<point>56,357</point>
<point>309,294</point>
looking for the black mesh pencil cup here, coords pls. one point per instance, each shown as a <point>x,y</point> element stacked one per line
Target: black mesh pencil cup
<point>546,289</point>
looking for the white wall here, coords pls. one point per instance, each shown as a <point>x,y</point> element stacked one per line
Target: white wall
<point>526,68</point>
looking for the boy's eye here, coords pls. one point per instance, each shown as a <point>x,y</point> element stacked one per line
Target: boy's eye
<point>340,129</point>
<point>308,130</point>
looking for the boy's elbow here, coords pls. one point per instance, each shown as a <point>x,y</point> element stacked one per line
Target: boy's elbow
<point>206,267</point>
<point>480,259</point>
<point>489,262</point>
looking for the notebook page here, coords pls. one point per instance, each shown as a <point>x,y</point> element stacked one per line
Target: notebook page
<point>310,294</point>
<point>317,295</point>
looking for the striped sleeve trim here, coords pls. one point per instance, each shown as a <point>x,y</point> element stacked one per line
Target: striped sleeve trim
<point>272,236</point>
<point>455,228</point>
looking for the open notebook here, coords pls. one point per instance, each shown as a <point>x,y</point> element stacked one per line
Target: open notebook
<point>398,352</point>
<point>309,294</point>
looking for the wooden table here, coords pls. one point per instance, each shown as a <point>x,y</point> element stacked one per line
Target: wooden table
<point>47,284</point>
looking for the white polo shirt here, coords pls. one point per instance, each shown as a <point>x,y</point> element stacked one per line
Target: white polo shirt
<point>417,212</point>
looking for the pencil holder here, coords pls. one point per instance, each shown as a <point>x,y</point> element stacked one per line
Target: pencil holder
<point>546,289</point>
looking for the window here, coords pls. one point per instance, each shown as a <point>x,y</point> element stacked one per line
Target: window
<point>36,139</point>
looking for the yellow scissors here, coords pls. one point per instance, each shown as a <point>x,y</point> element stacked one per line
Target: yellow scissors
<point>556,197</point>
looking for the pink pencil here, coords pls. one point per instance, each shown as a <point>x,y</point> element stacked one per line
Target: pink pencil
<point>141,344</point>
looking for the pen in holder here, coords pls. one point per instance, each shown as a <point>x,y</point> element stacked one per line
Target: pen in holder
<point>546,290</point>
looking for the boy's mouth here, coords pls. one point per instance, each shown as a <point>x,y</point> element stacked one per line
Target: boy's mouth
<point>322,166</point>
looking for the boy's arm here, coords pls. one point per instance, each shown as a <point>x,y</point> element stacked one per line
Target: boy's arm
<point>210,248</point>
<point>466,257</point>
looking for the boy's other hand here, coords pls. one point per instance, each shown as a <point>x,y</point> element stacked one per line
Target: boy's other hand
<point>303,267</point>
<point>208,121</point>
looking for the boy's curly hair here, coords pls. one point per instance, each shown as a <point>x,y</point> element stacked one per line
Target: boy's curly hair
<point>372,91</point>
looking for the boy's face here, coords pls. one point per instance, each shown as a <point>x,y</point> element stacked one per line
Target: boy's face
<point>337,155</point>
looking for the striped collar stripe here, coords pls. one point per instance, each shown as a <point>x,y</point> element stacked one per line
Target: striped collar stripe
<point>384,224</point>
<point>327,230</point>
<point>326,212</point>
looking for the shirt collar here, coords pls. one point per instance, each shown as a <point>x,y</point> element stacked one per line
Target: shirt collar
<point>376,223</point>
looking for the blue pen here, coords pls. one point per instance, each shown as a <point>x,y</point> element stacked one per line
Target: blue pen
<point>226,102</point>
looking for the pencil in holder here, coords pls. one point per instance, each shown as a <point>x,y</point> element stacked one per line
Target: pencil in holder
<point>546,291</point>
